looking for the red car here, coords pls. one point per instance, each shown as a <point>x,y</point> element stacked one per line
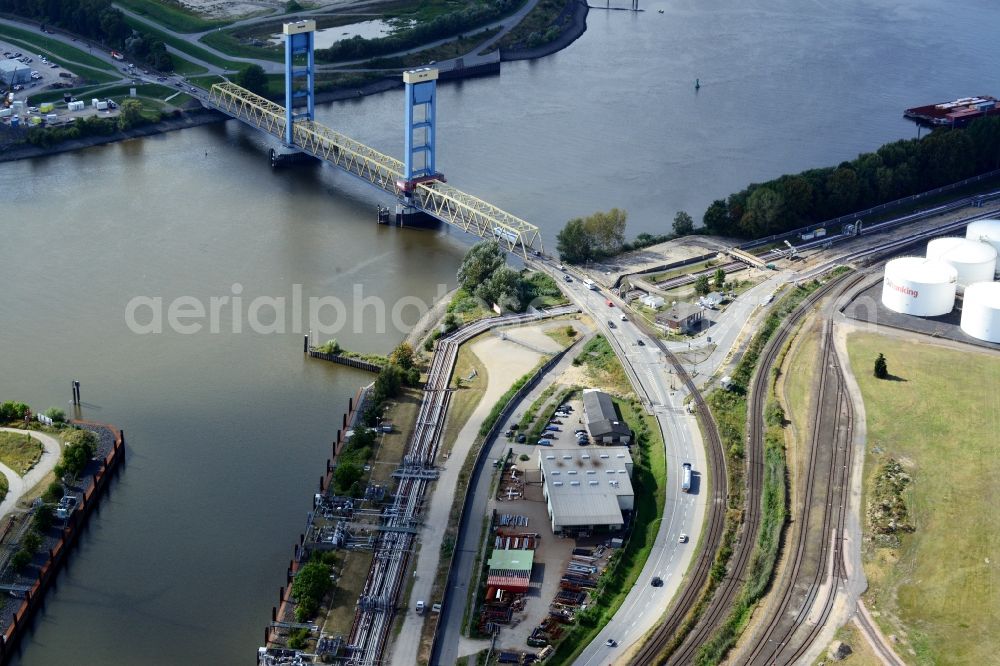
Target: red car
<point>610,304</point>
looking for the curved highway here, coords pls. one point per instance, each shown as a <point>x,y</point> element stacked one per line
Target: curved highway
<point>684,513</point>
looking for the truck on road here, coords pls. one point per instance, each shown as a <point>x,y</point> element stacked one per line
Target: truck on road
<point>686,480</point>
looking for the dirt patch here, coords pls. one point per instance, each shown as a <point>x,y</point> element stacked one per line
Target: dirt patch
<point>681,249</point>
<point>227,9</point>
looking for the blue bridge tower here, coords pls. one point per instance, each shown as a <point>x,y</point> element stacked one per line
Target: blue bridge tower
<point>299,40</point>
<point>421,130</point>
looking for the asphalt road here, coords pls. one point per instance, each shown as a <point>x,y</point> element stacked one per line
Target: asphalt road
<point>683,512</point>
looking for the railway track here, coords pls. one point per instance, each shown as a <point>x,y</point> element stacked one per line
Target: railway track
<point>715,521</point>
<point>722,599</point>
<point>817,552</point>
<point>377,604</point>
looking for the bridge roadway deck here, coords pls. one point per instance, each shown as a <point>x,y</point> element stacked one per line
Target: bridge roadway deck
<point>436,198</point>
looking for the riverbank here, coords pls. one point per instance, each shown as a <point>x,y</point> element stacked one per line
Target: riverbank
<point>187,119</point>
<point>575,27</point>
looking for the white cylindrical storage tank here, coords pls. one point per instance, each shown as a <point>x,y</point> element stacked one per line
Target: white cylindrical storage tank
<point>981,311</point>
<point>986,231</point>
<point>918,286</point>
<point>975,261</point>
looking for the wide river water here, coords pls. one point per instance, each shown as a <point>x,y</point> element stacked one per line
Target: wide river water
<point>229,431</point>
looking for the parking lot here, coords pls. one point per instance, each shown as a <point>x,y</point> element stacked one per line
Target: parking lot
<point>45,72</point>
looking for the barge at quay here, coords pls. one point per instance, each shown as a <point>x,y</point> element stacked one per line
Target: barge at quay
<point>958,113</point>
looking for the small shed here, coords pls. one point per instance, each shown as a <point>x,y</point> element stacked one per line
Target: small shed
<point>652,301</point>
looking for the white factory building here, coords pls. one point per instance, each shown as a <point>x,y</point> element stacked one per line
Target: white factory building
<point>587,489</point>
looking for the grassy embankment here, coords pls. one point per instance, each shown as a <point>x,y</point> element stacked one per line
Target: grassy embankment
<point>184,46</point>
<point>19,452</point>
<point>173,15</point>
<point>538,27</point>
<point>603,367</point>
<point>938,589</point>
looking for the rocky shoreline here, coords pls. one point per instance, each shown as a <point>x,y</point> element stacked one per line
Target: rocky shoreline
<point>575,27</point>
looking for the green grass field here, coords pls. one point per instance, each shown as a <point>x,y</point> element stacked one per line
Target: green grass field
<point>229,43</point>
<point>19,451</point>
<point>939,592</point>
<point>171,15</point>
<point>184,46</point>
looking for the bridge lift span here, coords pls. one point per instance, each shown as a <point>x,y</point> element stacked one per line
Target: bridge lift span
<point>415,183</point>
<point>746,257</point>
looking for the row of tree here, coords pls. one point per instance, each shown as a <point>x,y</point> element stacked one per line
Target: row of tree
<point>446,25</point>
<point>98,20</point>
<point>895,170</point>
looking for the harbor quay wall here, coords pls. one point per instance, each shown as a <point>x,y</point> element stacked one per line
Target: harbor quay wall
<point>99,482</point>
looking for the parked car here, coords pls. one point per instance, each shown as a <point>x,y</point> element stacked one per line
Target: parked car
<point>522,438</point>
<point>544,442</point>
<point>555,422</point>
<point>553,428</point>
<point>566,408</point>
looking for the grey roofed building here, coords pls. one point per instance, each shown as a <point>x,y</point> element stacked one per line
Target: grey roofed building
<point>587,488</point>
<point>13,72</point>
<point>603,422</point>
<point>681,317</point>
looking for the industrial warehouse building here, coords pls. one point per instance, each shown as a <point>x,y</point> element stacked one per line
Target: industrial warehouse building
<point>603,422</point>
<point>587,489</point>
<point>510,570</point>
<point>13,72</point>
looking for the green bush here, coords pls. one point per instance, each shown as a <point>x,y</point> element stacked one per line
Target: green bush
<point>297,638</point>
<point>311,584</point>
<point>53,493</point>
<point>56,414</point>
<point>13,411</point>
<point>31,542</point>
<point>43,518</point>
<point>20,559</point>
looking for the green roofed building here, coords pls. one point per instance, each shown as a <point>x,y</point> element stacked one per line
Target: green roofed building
<point>510,570</point>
